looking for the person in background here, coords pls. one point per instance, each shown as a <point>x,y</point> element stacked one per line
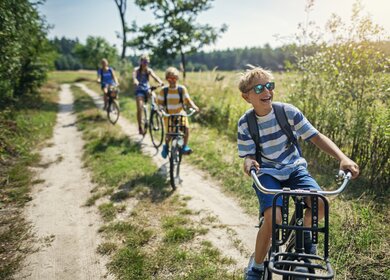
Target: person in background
<point>106,77</point>
<point>141,76</point>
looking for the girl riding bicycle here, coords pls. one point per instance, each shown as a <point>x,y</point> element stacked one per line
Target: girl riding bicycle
<point>279,161</point>
<point>106,77</point>
<point>141,82</point>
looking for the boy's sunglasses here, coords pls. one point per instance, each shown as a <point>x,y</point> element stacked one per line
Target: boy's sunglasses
<point>172,78</point>
<point>260,88</point>
<point>144,61</point>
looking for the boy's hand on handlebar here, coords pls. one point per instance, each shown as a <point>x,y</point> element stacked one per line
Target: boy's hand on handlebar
<point>248,164</point>
<point>348,164</point>
<point>196,108</point>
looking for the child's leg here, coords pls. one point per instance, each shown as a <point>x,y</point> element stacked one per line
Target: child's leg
<point>321,210</point>
<point>265,231</point>
<point>105,92</point>
<point>140,104</point>
<point>186,135</point>
<point>263,239</point>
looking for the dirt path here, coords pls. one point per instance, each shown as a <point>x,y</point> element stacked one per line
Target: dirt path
<point>206,196</point>
<point>66,230</point>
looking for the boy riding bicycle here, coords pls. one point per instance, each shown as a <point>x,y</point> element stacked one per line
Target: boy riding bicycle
<point>106,78</point>
<point>141,82</point>
<point>279,161</point>
<point>173,98</point>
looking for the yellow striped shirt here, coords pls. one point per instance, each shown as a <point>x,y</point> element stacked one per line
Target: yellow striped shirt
<point>173,100</point>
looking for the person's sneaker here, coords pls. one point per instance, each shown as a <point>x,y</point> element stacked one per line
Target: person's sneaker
<point>164,152</point>
<point>186,150</point>
<point>254,274</point>
<point>310,248</point>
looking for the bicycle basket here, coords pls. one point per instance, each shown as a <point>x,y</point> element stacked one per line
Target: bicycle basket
<point>114,93</point>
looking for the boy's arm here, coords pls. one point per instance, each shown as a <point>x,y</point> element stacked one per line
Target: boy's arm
<point>329,147</point>
<point>192,104</point>
<point>189,100</point>
<point>157,79</point>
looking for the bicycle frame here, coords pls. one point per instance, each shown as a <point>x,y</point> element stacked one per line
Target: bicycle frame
<point>278,261</point>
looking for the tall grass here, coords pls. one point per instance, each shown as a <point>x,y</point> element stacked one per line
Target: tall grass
<point>24,126</point>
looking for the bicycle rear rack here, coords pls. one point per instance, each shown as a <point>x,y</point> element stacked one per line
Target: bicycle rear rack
<point>282,262</point>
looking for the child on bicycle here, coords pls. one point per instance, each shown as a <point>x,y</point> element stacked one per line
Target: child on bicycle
<point>141,82</point>
<point>106,77</point>
<point>173,98</point>
<point>281,162</point>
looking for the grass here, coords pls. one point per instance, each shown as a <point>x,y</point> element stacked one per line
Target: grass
<point>155,237</point>
<point>24,127</point>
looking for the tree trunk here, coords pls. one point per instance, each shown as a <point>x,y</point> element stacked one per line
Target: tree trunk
<point>122,4</point>
<point>124,36</point>
<point>183,63</point>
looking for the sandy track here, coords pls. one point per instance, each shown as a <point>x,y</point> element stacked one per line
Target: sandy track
<point>206,196</point>
<point>66,230</point>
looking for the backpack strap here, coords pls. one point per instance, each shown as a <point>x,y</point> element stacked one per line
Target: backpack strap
<point>254,132</point>
<point>281,118</point>
<point>165,97</point>
<point>180,90</point>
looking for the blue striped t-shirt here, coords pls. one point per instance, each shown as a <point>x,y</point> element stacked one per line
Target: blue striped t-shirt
<point>278,158</point>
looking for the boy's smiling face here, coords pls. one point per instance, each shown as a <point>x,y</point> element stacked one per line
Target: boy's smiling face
<point>172,80</point>
<point>261,101</point>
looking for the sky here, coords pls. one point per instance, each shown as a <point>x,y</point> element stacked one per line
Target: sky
<point>251,23</point>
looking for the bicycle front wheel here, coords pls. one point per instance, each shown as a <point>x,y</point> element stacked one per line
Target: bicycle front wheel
<point>156,129</point>
<point>297,267</point>
<point>174,166</point>
<point>113,111</point>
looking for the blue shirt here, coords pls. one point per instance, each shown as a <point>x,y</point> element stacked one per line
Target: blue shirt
<point>106,77</point>
<point>143,80</point>
<point>279,158</point>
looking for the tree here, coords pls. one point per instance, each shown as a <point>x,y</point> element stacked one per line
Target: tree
<point>176,31</point>
<point>122,6</point>
<point>24,49</point>
<point>94,50</point>
<point>343,88</point>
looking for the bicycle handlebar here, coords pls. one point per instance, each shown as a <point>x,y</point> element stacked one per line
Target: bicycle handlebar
<point>346,177</point>
<point>152,88</point>
<point>192,111</point>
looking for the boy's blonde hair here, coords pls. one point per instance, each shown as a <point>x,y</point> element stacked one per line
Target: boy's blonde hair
<point>172,71</point>
<point>250,75</point>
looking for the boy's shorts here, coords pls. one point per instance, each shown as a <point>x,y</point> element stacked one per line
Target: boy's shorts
<point>172,130</point>
<point>299,179</point>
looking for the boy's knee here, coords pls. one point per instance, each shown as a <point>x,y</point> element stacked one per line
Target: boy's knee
<point>268,216</point>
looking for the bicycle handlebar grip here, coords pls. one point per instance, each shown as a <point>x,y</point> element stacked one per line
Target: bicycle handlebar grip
<point>253,168</point>
<point>343,174</point>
